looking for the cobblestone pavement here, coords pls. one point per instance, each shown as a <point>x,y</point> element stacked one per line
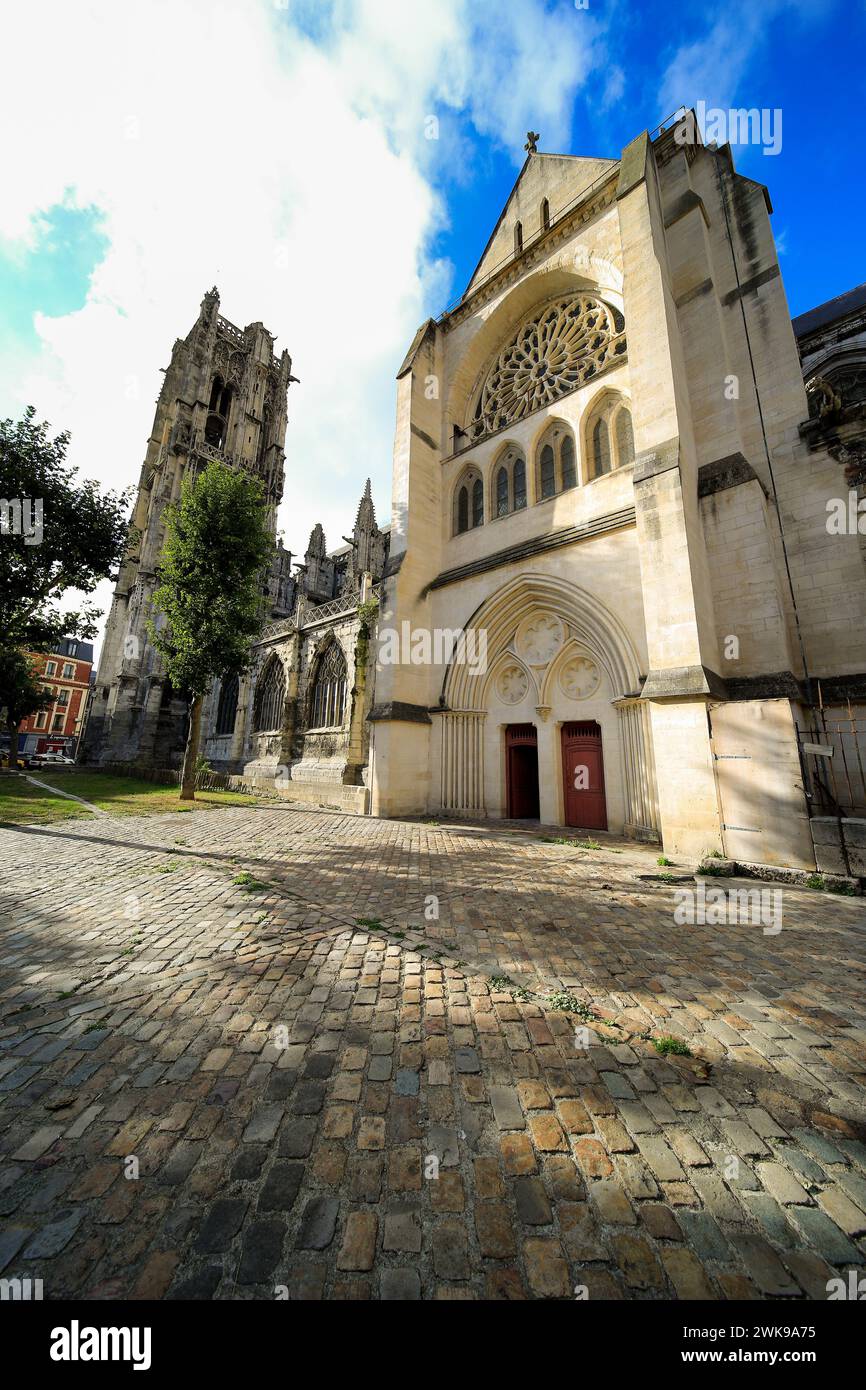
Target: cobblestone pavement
<point>328,1092</point>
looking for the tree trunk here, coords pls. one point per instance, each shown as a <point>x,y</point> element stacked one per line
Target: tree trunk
<point>13,744</point>
<point>190,757</point>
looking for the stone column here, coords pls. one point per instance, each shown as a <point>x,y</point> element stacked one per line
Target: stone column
<point>549,772</point>
<point>639,773</point>
<point>242,721</point>
<point>462,771</point>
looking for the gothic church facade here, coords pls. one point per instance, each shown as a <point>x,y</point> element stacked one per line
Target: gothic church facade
<point>603,465</point>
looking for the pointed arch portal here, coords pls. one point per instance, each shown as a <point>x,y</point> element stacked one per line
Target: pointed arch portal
<point>552,723</point>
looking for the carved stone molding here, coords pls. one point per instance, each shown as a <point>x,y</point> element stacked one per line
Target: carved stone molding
<point>539,638</point>
<point>512,683</point>
<point>579,677</point>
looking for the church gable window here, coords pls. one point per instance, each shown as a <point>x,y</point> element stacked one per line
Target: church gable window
<point>569,469</point>
<point>269,697</point>
<point>328,698</point>
<point>548,472</point>
<point>228,707</point>
<point>624,438</point>
<point>610,437</point>
<point>600,449</point>
<point>559,348</point>
<point>519,484</point>
<point>502,491</point>
<point>556,461</point>
<point>468,502</point>
<point>509,482</point>
<point>518,238</point>
<point>477,503</point>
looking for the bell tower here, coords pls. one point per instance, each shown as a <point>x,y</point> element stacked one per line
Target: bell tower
<point>223,397</point>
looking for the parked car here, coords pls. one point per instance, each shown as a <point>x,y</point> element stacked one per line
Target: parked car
<point>41,759</point>
<point>20,762</point>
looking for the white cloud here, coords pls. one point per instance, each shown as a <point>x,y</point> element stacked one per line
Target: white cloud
<point>281,154</point>
<point>713,68</point>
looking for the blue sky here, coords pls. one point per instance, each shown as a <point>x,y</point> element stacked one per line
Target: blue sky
<point>303,183</point>
<point>806,60</point>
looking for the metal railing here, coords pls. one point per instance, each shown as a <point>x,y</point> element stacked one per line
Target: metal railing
<point>834,761</point>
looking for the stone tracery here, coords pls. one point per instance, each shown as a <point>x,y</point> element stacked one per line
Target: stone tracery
<point>568,342</point>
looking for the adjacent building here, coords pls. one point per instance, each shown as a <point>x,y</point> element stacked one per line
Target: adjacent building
<point>66,674</point>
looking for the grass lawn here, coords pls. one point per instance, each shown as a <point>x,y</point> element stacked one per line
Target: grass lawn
<point>24,804</point>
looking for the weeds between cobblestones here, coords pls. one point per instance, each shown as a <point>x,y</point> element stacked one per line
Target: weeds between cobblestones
<point>429,1125</point>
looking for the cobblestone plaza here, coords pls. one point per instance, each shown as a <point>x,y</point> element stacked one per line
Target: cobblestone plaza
<point>266,1052</point>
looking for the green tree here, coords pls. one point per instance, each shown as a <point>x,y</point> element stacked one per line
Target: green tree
<point>210,592</point>
<point>21,693</point>
<point>56,533</point>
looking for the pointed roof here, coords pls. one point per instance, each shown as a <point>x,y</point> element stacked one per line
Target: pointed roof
<point>365,517</point>
<point>317,541</point>
<point>560,178</point>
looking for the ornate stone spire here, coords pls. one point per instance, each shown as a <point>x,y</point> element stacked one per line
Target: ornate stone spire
<point>210,304</point>
<point>317,542</point>
<point>366,516</point>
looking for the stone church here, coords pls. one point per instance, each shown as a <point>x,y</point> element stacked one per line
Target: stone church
<point>612,596</point>
<point>606,465</point>
<point>297,719</point>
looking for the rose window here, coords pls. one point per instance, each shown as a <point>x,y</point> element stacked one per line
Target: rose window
<point>562,346</point>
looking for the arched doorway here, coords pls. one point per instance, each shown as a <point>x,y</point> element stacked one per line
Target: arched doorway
<point>583,776</point>
<point>521,770</point>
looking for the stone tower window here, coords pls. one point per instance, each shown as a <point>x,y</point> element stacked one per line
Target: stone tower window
<point>328,700</point>
<point>269,697</point>
<point>545,214</point>
<point>216,426</point>
<point>264,436</point>
<point>518,238</point>
<point>228,707</point>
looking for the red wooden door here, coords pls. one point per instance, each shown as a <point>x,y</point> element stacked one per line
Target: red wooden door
<point>583,776</point>
<point>521,761</point>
